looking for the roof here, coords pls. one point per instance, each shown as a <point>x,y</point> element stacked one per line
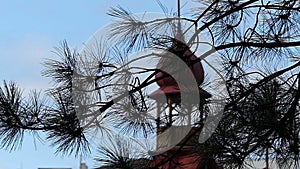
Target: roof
<point>133,164</point>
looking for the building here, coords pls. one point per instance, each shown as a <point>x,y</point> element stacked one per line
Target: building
<point>54,168</point>
<point>81,166</point>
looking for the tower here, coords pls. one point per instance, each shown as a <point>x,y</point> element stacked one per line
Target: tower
<point>171,152</point>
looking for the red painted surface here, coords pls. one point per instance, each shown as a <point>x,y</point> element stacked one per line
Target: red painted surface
<point>168,85</point>
<point>183,158</point>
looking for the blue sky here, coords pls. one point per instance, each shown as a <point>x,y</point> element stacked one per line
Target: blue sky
<point>29,31</point>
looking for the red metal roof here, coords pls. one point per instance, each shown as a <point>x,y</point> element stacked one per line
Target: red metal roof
<point>168,85</point>
<point>183,158</point>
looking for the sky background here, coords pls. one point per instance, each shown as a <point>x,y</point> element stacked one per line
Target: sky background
<point>29,31</point>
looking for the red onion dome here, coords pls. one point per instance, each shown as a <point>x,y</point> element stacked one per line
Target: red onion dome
<point>168,85</point>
